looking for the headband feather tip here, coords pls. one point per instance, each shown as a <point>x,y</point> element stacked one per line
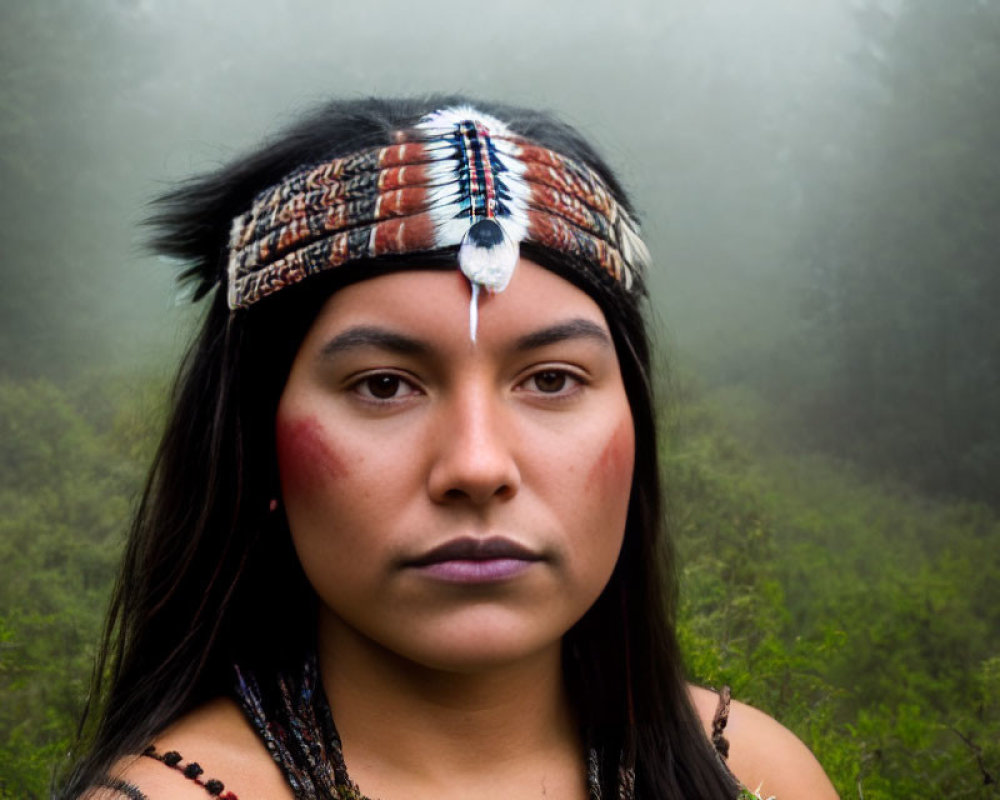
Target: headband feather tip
<point>444,121</point>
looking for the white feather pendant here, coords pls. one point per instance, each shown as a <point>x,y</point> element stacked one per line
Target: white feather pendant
<point>487,257</point>
<point>488,254</point>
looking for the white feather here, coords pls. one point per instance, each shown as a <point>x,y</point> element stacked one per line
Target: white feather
<point>635,253</point>
<point>487,266</point>
<point>444,121</point>
<point>449,230</point>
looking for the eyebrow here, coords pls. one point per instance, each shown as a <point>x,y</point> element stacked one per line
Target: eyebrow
<point>578,328</point>
<point>361,336</point>
<point>372,336</point>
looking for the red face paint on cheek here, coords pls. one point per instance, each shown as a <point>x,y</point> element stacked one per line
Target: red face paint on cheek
<point>614,465</point>
<point>306,460</point>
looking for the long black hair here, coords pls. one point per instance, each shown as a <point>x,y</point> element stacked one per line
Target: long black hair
<point>207,581</point>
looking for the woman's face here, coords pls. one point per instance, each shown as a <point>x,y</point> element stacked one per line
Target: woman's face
<point>457,504</point>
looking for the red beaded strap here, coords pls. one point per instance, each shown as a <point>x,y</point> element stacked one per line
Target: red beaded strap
<point>192,771</point>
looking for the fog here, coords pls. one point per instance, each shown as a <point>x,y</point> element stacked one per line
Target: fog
<point>819,185</point>
<point>771,147</point>
<point>699,107</point>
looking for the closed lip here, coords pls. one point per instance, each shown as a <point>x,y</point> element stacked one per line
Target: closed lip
<point>469,548</point>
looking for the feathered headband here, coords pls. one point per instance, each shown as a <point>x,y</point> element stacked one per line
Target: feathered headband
<point>459,178</point>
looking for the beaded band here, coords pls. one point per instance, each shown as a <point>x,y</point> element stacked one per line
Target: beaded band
<point>458,178</point>
<point>192,771</point>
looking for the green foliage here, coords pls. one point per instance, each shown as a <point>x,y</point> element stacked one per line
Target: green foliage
<point>69,469</point>
<point>862,617</point>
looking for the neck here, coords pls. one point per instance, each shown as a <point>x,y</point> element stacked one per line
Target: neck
<point>412,725</point>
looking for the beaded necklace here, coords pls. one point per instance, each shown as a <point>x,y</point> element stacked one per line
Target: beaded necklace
<point>293,719</point>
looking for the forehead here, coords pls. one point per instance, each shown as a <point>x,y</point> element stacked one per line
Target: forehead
<point>437,303</point>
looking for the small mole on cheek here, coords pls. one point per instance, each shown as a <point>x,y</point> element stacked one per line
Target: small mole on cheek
<point>617,459</point>
<point>306,461</point>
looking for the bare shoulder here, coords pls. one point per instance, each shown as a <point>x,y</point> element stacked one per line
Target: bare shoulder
<point>763,754</point>
<point>217,737</point>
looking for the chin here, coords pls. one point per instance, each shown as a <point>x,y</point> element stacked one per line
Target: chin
<point>485,638</point>
<point>475,641</point>
<point>458,638</point>
<point>474,658</point>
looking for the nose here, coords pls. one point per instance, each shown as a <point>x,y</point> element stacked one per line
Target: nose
<point>474,452</point>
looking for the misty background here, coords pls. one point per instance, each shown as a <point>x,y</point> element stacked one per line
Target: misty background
<point>819,185</point>
<point>818,181</point>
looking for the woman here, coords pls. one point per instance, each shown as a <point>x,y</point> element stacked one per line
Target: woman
<point>402,536</point>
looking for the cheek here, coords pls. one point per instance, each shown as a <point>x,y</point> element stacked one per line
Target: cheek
<point>605,491</point>
<point>306,460</point>
<point>612,471</point>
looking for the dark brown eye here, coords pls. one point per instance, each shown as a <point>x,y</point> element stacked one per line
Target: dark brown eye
<point>550,381</point>
<point>383,387</point>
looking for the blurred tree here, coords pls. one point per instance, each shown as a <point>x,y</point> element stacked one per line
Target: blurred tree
<point>905,337</point>
<point>72,70</point>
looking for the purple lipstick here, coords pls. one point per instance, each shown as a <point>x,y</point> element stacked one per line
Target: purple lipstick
<point>470,560</point>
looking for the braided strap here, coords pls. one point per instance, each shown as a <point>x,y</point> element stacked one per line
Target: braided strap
<point>719,721</point>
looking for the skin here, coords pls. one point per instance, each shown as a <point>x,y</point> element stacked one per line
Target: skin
<point>500,438</point>
<point>395,435</point>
